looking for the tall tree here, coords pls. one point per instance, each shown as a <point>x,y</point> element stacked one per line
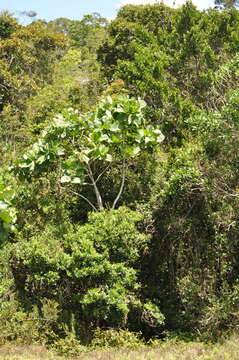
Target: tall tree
<point>84,146</point>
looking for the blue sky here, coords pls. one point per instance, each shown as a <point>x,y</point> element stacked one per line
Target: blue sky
<point>75,9</point>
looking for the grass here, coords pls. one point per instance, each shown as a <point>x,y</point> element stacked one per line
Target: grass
<point>228,350</point>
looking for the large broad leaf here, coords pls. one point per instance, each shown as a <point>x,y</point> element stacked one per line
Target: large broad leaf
<point>24,165</point>
<point>115,127</point>
<point>76,180</point>
<point>7,194</point>
<point>60,121</point>
<point>109,158</point>
<point>159,136</point>
<point>65,179</point>
<point>103,150</point>
<point>41,159</point>
<point>116,139</point>
<point>132,150</point>
<point>136,150</point>
<point>3,205</point>
<point>84,158</point>
<point>140,135</point>
<point>108,114</point>
<point>142,103</point>
<point>5,215</point>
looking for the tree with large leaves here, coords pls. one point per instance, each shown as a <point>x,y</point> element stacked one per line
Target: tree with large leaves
<point>85,146</point>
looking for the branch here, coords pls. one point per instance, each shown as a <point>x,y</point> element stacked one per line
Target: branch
<point>84,198</point>
<point>10,62</point>
<point>98,178</point>
<point>122,185</point>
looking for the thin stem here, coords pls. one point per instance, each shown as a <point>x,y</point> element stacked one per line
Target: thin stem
<point>122,185</point>
<point>98,178</point>
<point>83,197</point>
<point>97,192</point>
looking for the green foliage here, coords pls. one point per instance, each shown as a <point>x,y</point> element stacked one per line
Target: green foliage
<point>116,131</point>
<point>120,243</point>
<point>195,223</point>
<point>90,271</point>
<point>227,4</point>
<point>7,211</point>
<point>221,314</point>
<point>171,58</point>
<point>8,25</point>
<point>87,33</point>
<point>50,99</point>
<point>27,56</point>
<point>31,327</point>
<point>68,346</point>
<point>75,83</point>
<point>174,265</point>
<point>115,338</point>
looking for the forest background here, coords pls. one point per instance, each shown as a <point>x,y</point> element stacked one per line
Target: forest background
<point>119,176</point>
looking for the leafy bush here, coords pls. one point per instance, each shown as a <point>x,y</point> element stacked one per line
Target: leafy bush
<point>68,346</point>
<point>90,270</point>
<point>116,338</point>
<point>28,327</point>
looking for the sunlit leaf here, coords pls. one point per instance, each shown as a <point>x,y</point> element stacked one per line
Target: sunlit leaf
<point>65,179</point>
<point>109,158</point>
<point>76,180</point>
<point>3,205</point>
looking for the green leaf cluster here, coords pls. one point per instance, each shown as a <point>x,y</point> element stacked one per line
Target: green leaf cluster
<point>7,211</point>
<point>91,271</point>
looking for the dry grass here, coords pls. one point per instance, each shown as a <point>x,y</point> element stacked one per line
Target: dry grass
<point>229,350</point>
<point>24,352</point>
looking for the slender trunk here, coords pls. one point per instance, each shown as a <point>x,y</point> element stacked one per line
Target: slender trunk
<point>97,192</point>
<point>121,186</point>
